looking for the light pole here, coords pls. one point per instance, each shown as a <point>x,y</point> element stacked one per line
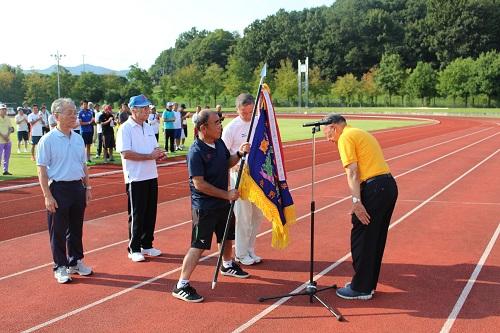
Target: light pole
<point>58,57</point>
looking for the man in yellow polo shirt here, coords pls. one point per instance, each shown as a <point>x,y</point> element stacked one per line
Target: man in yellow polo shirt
<point>374,193</point>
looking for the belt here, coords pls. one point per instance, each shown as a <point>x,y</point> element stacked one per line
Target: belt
<point>66,181</point>
<point>372,179</point>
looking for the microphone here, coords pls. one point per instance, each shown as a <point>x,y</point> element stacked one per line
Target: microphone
<point>326,121</point>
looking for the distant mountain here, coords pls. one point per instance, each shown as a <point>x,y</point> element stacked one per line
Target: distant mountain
<point>77,70</point>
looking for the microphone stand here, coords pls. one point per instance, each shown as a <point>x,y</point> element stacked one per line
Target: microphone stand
<point>311,288</point>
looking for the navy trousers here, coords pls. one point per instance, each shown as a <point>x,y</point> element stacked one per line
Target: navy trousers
<point>142,200</point>
<point>66,224</point>
<point>368,241</point>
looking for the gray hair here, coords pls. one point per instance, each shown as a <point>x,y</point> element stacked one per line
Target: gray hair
<point>59,104</point>
<point>244,100</point>
<point>335,118</point>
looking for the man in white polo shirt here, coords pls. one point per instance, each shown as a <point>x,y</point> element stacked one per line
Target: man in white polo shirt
<point>248,216</point>
<point>64,180</point>
<point>138,147</point>
<point>37,123</point>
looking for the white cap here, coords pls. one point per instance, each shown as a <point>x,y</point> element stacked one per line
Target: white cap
<point>3,106</point>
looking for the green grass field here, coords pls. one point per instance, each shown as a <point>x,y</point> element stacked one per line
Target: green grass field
<point>21,165</point>
<point>471,112</point>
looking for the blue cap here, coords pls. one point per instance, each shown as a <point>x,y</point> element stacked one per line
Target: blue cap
<point>138,101</point>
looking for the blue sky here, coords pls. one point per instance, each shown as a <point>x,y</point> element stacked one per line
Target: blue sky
<point>116,34</point>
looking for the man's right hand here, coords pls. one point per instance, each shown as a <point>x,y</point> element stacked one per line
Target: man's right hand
<point>157,153</point>
<point>51,204</point>
<point>233,195</point>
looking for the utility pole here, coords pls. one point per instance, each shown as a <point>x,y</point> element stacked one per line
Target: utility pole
<point>83,61</point>
<point>58,57</point>
<point>303,68</point>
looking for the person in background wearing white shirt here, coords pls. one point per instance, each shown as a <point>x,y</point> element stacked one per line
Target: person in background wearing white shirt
<point>45,118</point>
<point>36,121</point>
<point>64,179</point>
<point>177,126</point>
<point>154,121</point>
<point>98,130</point>
<point>248,216</point>
<point>22,130</point>
<point>138,147</point>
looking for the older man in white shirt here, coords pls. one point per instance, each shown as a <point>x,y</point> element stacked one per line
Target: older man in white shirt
<point>137,144</point>
<point>248,216</point>
<point>64,180</point>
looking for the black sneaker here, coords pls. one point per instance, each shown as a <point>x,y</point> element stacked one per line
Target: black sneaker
<point>6,173</point>
<point>235,270</point>
<point>187,293</point>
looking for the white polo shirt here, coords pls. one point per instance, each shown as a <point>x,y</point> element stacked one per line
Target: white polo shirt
<point>64,156</point>
<point>140,139</point>
<point>235,134</point>
<point>36,129</point>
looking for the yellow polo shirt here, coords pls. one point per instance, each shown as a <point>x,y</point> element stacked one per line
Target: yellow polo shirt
<point>4,127</point>
<point>357,145</point>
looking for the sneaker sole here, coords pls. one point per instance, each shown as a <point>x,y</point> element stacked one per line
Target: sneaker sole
<point>64,281</point>
<point>364,298</point>
<point>80,273</point>
<point>151,255</point>
<point>349,283</point>
<point>188,300</point>
<point>236,276</point>
<point>243,263</point>
<point>130,257</point>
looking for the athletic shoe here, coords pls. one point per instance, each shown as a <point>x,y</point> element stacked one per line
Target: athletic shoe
<point>152,252</point>
<point>19,151</point>
<point>25,150</point>
<point>80,269</point>
<point>6,173</point>
<point>187,293</point>
<point>97,156</point>
<point>235,271</point>
<point>246,260</point>
<point>348,285</point>
<point>61,275</point>
<point>255,257</point>
<point>348,293</point>
<point>136,256</point>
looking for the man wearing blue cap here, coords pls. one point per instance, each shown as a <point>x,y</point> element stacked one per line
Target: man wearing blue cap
<point>138,147</point>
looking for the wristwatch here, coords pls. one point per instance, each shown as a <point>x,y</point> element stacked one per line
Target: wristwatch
<point>355,200</point>
<point>88,187</point>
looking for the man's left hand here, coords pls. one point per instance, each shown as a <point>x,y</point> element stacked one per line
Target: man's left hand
<point>359,210</point>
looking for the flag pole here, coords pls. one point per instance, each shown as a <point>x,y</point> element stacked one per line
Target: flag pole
<point>263,74</point>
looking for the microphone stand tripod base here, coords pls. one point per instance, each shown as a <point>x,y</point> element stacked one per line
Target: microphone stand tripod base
<point>311,288</point>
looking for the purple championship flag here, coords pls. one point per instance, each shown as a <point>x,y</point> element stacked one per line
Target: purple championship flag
<point>263,181</point>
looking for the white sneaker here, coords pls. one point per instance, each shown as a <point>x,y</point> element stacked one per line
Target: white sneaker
<point>255,257</point>
<point>19,151</point>
<point>61,275</point>
<point>80,269</point>
<point>246,260</point>
<point>25,150</point>
<point>136,256</point>
<point>152,252</point>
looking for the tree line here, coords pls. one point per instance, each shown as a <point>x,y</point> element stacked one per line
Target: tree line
<point>361,52</point>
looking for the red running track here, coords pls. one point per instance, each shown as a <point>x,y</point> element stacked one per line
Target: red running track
<point>446,216</point>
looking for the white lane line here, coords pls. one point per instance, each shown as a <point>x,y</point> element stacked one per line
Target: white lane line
<point>300,187</point>
<point>468,287</point>
<point>277,303</point>
<point>328,269</point>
